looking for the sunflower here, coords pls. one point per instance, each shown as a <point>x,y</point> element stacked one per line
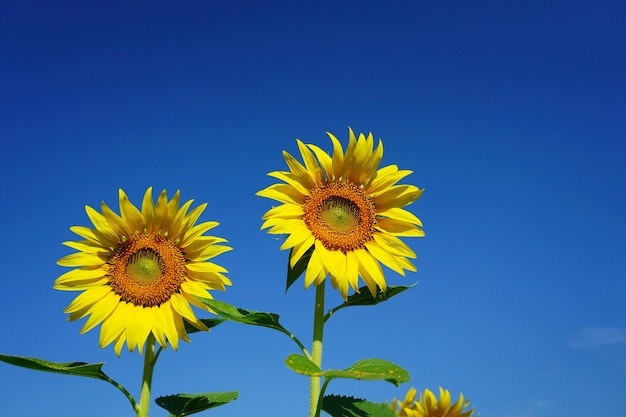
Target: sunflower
<point>429,406</point>
<point>139,272</point>
<point>345,212</point>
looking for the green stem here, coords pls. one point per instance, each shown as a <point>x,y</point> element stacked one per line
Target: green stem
<point>316,351</point>
<point>320,400</point>
<point>117,385</point>
<point>148,367</point>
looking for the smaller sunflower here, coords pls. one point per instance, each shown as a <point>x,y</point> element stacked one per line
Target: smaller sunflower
<point>140,271</point>
<point>346,212</point>
<point>429,406</point>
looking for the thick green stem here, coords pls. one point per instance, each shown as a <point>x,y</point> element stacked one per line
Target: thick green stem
<point>146,383</point>
<point>316,350</point>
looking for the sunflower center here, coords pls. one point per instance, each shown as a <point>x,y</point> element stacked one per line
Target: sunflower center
<point>147,270</point>
<point>340,215</point>
<point>145,266</point>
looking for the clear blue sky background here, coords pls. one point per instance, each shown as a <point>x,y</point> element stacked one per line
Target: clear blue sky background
<point>511,115</point>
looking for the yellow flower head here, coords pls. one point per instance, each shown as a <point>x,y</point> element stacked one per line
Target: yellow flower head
<point>429,406</point>
<point>349,212</point>
<point>139,272</point>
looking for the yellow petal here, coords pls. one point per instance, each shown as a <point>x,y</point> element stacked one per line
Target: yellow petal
<point>298,236</point>
<point>195,288</point>
<point>324,159</point>
<point>82,259</point>
<point>300,249</point>
<point>165,322</point>
<point>100,222</point>
<point>147,207</point>
<point>86,233</point>
<point>139,327</point>
<point>291,180</point>
<point>405,263</point>
<point>205,267</point>
<point>172,205</point>
<point>352,270</point>
<point>337,157</point>
<point>393,245</point>
<point>180,326</point>
<point>196,231</point>
<point>333,261</point>
<point>160,213</point>
<point>130,214</point>
<point>315,270</point>
<point>119,343</point>
<point>299,171</point>
<point>372,163</point>
<point>207,253</point>
<point>178,224</point>
<point>284,211</point>
<point>214,281</point>
<point>87,298</point>
<point>181,306</point>
<point>399,228</point>
<point>284,193</point>
<point>400,214</point>
<point>114,325</point>
<point>383,256</point>
<point>100,311</point>
<point>397,196</point>
<point>87,246</point>
<point>371,272</point>
<point>191,219</point>
<point>79,276</point>
<point>385,178</point>
<point>283,226</point>
<point>117,224</point>
<point>309,162</point>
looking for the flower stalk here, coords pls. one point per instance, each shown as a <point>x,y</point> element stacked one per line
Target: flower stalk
<point>316,350</point>
<point>146,382</point>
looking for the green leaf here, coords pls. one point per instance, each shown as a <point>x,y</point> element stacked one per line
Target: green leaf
<point>255,318</point>
<point>368,369</point>
<point>210,323</point>
<point>294,273</point>
<point>372,370</point>
<point>89,370</point>
<point>301,365</point>
<point>93,370</point>
<point>240,315</point>
<point>186,404</point>
<point>340,406</point>
<point>364,298</point>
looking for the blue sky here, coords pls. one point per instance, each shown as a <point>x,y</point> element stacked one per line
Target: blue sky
<point>510,114</point>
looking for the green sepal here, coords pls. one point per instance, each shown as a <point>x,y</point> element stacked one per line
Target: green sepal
<point>364,298</point>
<point>255,318</point>
<point>294,273</point>
<point>367,369</point>
<point>302,365</point>
<point>210,323</point>
<point>340,406</point>
<point>90,370</point>
<point>180,405</point>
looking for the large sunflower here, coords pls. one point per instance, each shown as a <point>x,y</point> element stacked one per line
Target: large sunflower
<point>139,272</point>
<point>347,211</point>
<point>429,406</point>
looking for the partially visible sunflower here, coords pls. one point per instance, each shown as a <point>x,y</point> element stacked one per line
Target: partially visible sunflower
<point>347,211</point>
<point>429,406</point>
<point>139,272</point>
